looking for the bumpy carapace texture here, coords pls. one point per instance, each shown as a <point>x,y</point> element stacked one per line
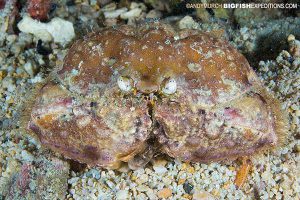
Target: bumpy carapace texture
<point>219,110</point>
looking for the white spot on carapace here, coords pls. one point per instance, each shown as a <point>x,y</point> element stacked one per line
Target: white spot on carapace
<point>160,47</point>
<point>220,52</point>
<point>229,57</point>
<point>97,49</point>
<point>232,65</point>
<point>196,47</point>
<point>144,47</point>
<point>208,55</point>
<point>170,87</point>
<point>80,63</point>
<point>83,122</point>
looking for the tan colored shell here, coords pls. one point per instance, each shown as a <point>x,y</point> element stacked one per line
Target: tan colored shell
<point>81,131</point>
<point>219,110</point>
<point>150,55</point>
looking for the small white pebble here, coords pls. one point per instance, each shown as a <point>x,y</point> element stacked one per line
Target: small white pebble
<point>122,194</point>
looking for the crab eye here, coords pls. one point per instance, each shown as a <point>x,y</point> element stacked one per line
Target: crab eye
<point>125,83</point>
<point>170,86</point>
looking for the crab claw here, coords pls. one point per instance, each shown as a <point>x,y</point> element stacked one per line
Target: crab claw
<point>96,133</point>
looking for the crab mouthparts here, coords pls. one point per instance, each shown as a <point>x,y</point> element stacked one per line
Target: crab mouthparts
<point>147,87</point>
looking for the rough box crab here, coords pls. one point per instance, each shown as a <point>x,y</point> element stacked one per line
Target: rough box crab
<point>125,93</point>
